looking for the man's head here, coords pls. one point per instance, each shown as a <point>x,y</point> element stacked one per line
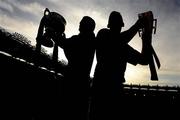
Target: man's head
<point>115,22</point>
<point>87,24</point>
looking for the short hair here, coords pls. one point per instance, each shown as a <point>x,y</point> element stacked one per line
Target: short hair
<point>87,24</point>
<point>115,17</point>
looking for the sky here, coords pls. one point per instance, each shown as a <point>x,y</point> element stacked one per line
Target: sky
<point>23,16</point>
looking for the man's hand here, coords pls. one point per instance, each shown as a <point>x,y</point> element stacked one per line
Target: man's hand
<point>141,22</point>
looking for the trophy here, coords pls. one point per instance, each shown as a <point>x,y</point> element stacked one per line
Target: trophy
<point>50,32</point>
<point>149,28</point>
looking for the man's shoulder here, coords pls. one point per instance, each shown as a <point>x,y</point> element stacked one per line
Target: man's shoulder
<point>74,37</point>
<point>104,30</point>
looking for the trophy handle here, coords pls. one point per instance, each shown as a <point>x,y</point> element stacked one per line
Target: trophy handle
<point>46,12</point>
<point>155,25</point>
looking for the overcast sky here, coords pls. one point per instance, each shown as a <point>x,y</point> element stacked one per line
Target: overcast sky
<point>23,16</point>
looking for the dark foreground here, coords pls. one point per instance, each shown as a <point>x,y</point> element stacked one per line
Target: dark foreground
<point>32,93</point>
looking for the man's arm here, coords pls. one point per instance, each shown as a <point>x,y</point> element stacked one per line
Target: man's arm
<point>130,33</point>
<point>60,40</point>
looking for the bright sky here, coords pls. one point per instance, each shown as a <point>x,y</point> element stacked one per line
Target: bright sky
<point>23,16</point>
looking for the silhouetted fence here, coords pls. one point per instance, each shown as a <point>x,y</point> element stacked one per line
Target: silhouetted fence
<point>12,65</point>
<point>151,90</point>
<point>28,87</point>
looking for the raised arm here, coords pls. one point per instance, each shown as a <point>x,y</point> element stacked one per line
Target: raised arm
<point>130,33</point>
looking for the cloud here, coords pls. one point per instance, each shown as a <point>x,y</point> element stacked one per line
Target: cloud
<point>28,29</point>
<point>27,10</point>
<point>5,7</point>
<point>170,77</point>
<point>141,75</point>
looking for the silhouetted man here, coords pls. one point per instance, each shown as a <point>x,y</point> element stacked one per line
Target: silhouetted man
<point>113,53</point>
<point>79,50</point>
